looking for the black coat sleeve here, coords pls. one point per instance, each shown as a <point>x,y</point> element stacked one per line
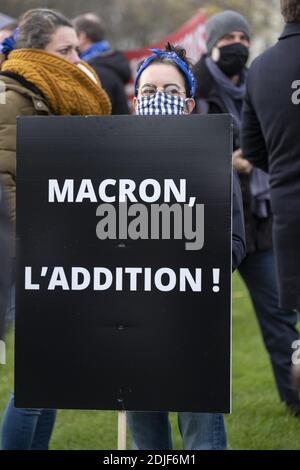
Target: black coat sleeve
<point>4,261</point>
<point>253,142</point>
<point>115,89</point>
<point>238,227</point>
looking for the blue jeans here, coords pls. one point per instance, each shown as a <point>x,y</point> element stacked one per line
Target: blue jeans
<point>199,431</point>
<point>11,306</point>
<point>26,428</point>
<point>278,327</point>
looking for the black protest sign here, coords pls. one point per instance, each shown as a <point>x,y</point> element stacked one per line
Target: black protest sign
<point>124,263</point>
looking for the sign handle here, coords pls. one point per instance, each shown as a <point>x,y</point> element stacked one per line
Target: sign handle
<point>121,430</point>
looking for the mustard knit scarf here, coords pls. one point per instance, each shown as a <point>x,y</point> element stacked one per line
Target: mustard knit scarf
<point>66,87</point>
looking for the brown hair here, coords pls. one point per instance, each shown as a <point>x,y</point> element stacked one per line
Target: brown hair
<point>37,27</point>
<point>90,24</point>
<point>290,10</point>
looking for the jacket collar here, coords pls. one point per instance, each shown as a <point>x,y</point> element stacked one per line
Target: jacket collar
<point>291,29</point>
<point>205,83</point>
<point>20,85</point>
<point>24,85</point>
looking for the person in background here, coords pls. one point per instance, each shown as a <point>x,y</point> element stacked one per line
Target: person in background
<point>166,85</point>
<point>271,142</point>
<point>43,75</point>
<point>111,66</point>
<point>221,76</point>
<point>7,30</point>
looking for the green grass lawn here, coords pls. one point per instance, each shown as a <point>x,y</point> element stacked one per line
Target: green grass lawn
<point>259,421</point>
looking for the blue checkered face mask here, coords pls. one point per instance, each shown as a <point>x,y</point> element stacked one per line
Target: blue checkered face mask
<point>161,104</point>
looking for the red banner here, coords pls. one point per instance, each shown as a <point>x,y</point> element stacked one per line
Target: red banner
<point>191,36</point>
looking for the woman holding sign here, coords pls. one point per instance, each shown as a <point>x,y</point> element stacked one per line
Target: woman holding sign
<point>42,74</point>
<point>165,85</point>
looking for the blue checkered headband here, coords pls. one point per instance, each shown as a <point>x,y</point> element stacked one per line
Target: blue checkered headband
<point>174,58</point>
<point>160,104</point>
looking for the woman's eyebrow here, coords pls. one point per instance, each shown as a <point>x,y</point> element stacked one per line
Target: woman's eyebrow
<point>148,84</point>
<point>68,45</point>
<point>172,84</point>
<point>166,84</point>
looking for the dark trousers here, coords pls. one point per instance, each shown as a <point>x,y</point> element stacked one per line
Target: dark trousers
<point>278,327</point>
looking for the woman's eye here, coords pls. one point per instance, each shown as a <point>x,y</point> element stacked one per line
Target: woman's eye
<point>149,91</point>
<point>64,51</point>
<point>172,90</point>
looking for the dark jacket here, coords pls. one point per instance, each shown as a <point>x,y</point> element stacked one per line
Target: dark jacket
<point>258,231</point>
<point>114,72</point>
<point>22,99</point>
<point>238,228</point>
<point>5,270</point>
<point>271,141</point>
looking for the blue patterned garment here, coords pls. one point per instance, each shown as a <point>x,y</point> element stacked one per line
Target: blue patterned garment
<point>96,49</point>
<point>161,104</point>
<point>9,44</point>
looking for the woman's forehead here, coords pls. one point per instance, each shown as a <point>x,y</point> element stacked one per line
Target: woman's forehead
<point>161,74</point>
<point>64,35</point>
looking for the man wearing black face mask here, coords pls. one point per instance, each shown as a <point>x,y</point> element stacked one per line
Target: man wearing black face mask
<point>221,73</point>
<point>221,77</point>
